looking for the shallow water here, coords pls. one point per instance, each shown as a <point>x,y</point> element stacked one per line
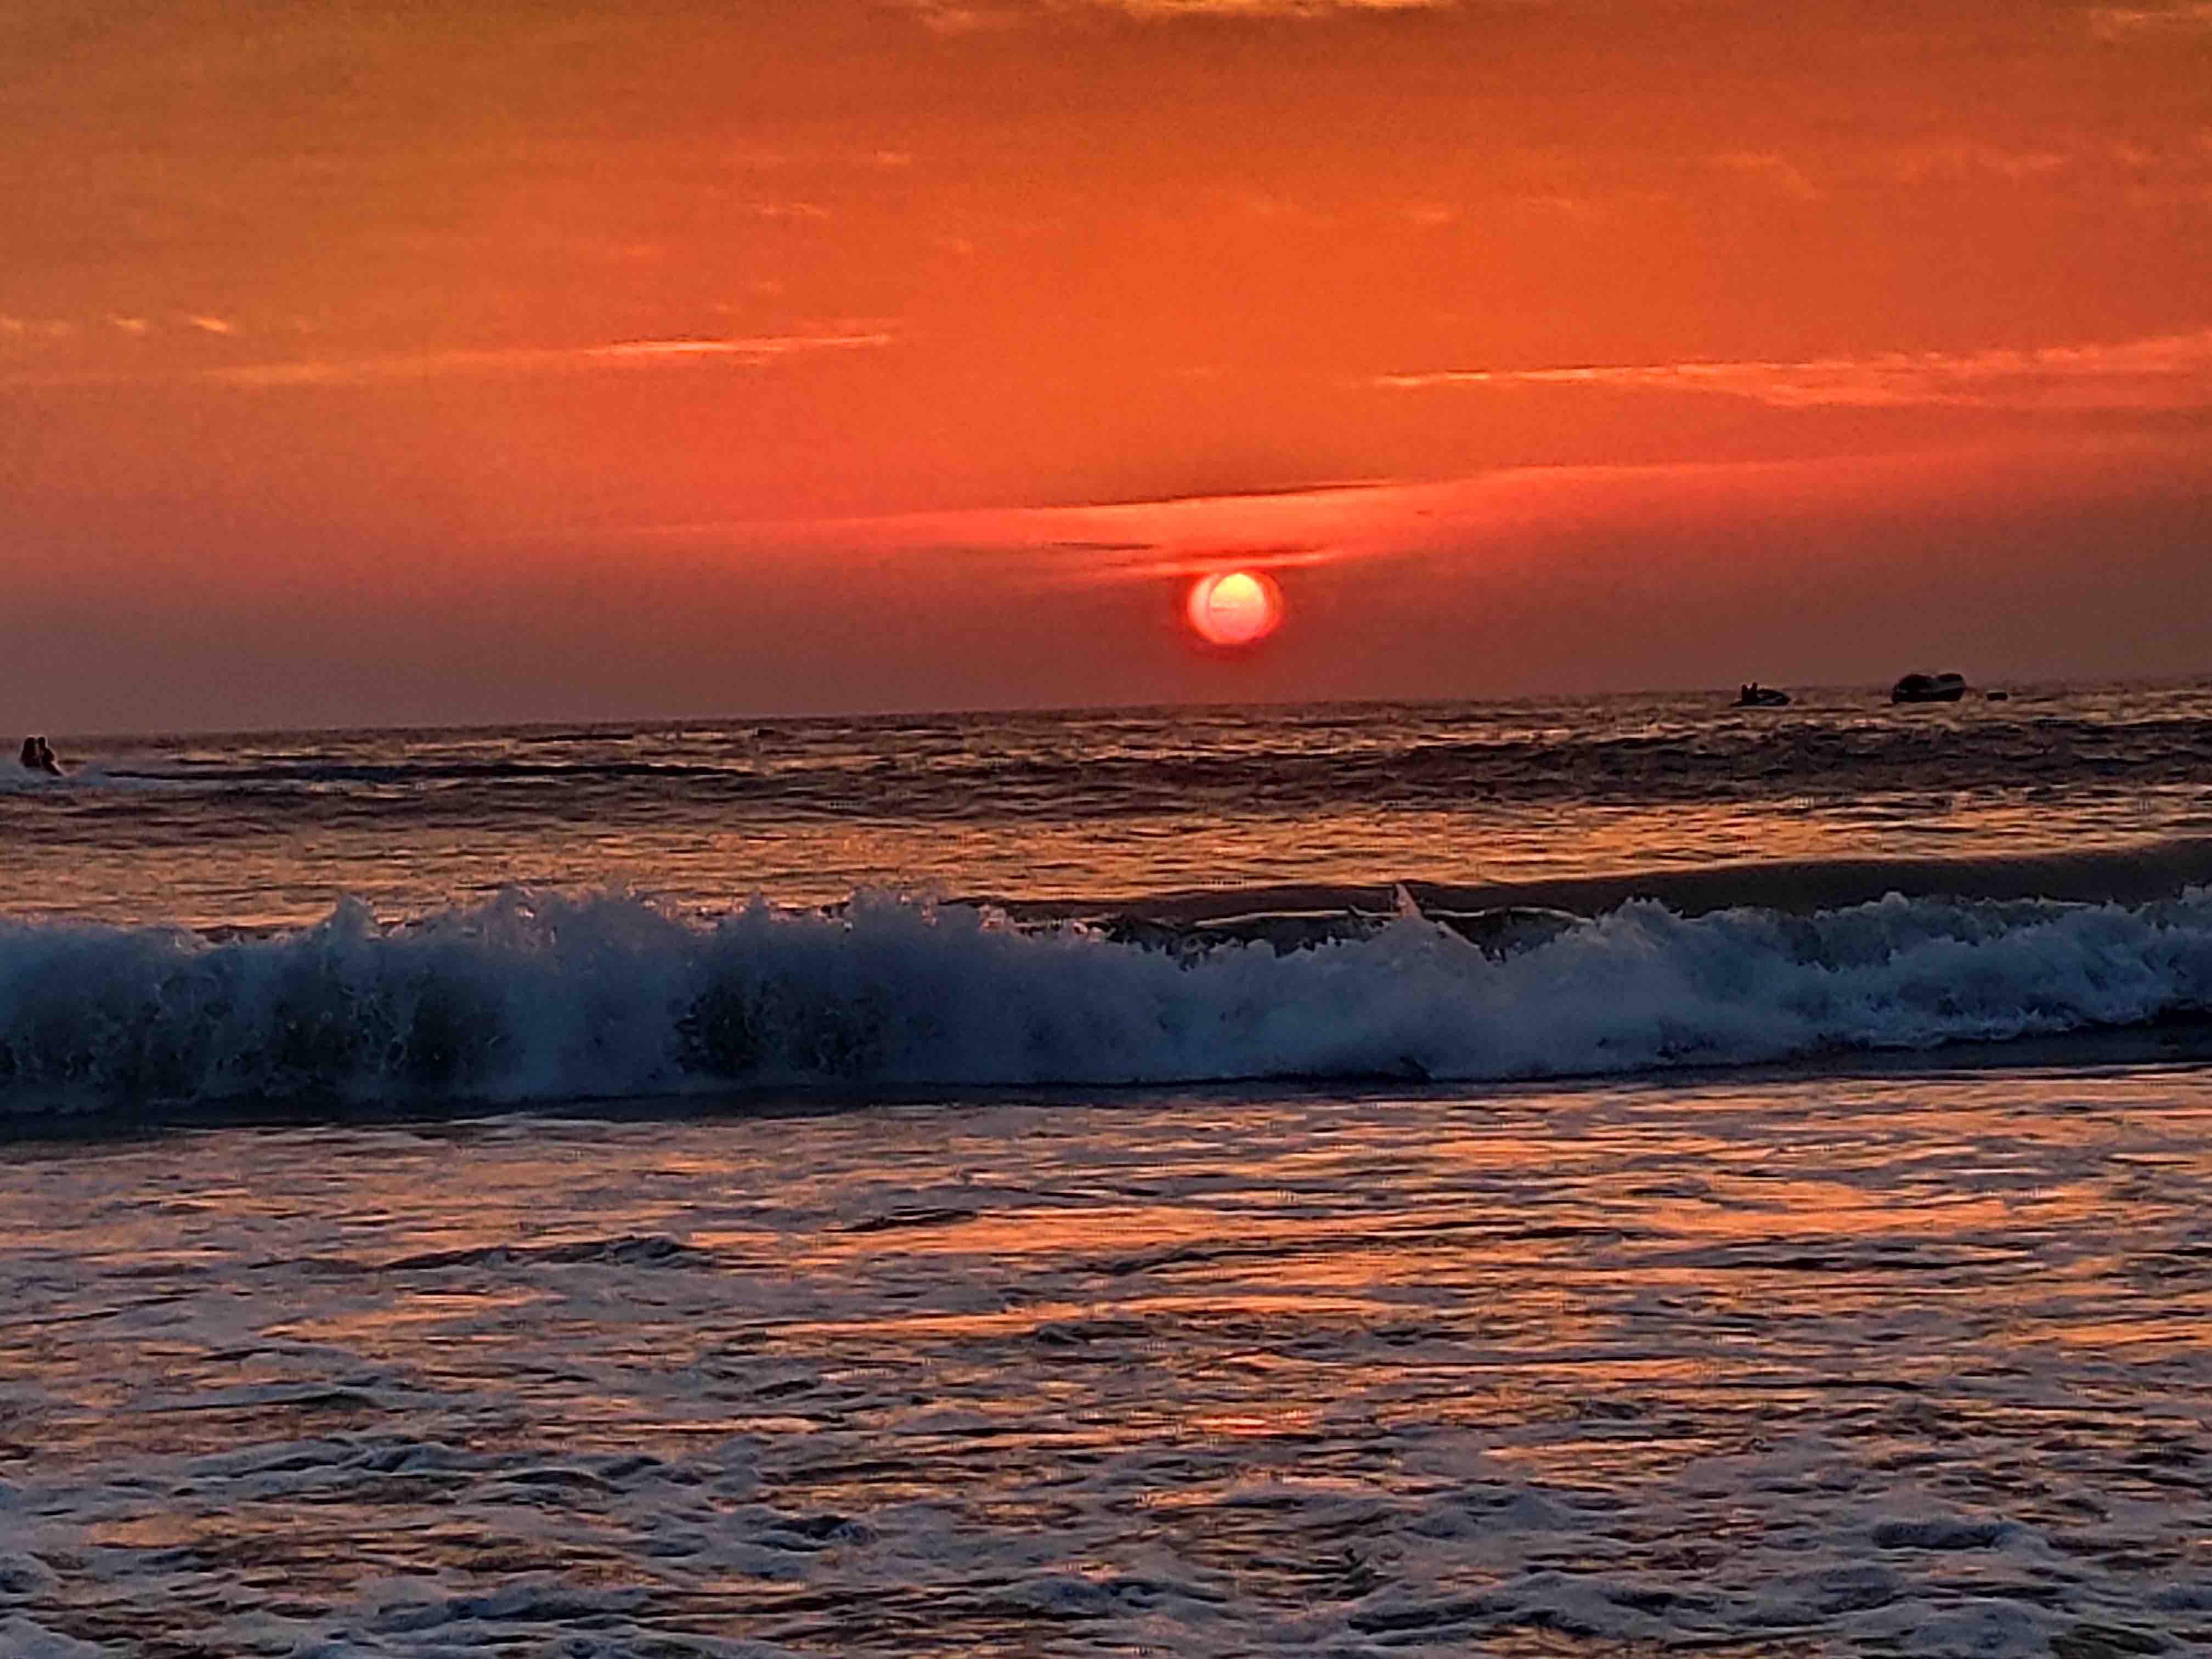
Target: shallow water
<point>1802,1364</point>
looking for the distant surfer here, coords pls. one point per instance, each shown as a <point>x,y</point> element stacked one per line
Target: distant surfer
<point>38,755</point>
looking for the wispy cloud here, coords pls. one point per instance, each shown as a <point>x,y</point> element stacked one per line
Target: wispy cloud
<point>953,17</point>
<point>1495,517</point>
<point>1111,542</point>
<point>35,329</point>
<point>362,371</point>
<point>2166,372</point>
<point>1962,160</point>
<point>399,368</point>
<point>1777,173</point>
<point>1265,7</point>
<point>2120,22</point>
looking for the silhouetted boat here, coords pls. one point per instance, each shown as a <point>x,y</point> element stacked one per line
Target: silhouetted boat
<point>1929,688</point>
<point>1756,696</point>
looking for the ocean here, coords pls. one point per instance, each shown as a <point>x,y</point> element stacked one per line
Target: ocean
<point>1600,1175</point>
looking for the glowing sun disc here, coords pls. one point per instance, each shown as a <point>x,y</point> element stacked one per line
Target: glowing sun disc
<point>1234,608</point>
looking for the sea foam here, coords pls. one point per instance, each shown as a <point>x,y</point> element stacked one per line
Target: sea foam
<point>545,997</point>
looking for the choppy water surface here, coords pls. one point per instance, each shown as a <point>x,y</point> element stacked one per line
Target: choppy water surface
<point>1804,1365</point>
<point>275,828</point>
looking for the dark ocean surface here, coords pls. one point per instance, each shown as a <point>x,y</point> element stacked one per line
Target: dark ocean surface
<point>1085,806</point>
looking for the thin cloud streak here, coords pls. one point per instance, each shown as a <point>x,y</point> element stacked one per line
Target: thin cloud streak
<point>2120,22</point>
<point>1090,545</point>
<point>2166,372</point>
<point>1124,543</point>
<point>1488,516</point>
<point>435,365</point>
<point>535,360</point>
<point>1266,7</point>
<point>952,17</point>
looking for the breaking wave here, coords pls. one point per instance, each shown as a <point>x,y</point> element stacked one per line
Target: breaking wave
<point>534,997</point>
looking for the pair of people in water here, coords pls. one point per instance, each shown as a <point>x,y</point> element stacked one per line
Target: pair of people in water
<point>38,755</point>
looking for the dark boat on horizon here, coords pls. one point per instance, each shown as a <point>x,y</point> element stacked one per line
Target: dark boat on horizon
<point>1929,688</point>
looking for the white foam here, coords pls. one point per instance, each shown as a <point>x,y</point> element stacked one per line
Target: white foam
<point>546,997</point>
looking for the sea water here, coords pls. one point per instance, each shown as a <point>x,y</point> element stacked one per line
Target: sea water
<point>1626,1176</point>
<point>1800,1364</point>
<point>256,829</point>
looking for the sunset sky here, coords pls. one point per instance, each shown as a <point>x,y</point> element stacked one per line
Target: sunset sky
<point>412,362</point>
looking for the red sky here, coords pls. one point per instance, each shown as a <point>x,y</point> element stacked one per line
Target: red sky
<point>411,362</point>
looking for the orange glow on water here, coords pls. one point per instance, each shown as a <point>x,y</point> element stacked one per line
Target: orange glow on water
<point>1240,607</point>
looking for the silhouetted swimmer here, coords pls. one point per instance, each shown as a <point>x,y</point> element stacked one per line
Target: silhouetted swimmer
<point>38,755</point>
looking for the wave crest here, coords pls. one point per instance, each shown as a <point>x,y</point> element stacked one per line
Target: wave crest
<point>547,997</point>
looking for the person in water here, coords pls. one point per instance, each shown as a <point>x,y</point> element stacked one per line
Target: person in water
<point>39,756</point>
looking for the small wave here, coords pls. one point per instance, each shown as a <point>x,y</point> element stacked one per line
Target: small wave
<point>312,773</point>
<point>91,775</point>
<point>631,1250</point>
<point>2130,872</point>
<point>548,997</point>
<point>2134,871</point>
<point>1825,757</point>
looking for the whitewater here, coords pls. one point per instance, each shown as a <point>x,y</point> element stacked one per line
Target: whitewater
<point>545,999</point>
<point>1585,1176</point>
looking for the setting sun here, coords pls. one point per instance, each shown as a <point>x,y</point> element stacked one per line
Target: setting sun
<point>1238,608</point>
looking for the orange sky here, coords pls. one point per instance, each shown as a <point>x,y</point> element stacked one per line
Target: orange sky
<point>440,362</point>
